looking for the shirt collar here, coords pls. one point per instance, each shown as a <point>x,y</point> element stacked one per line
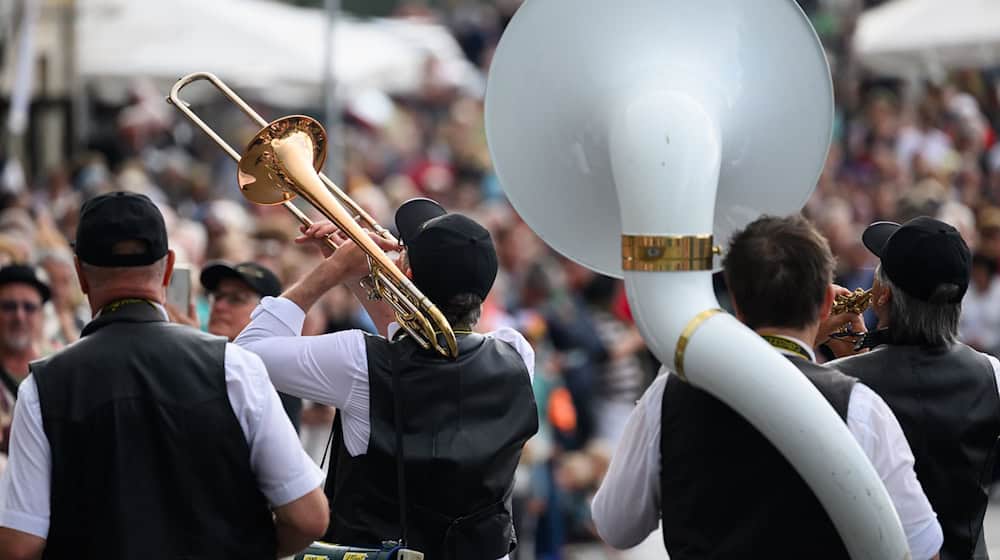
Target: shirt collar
<point>805,347</point>
<point>158,307</point>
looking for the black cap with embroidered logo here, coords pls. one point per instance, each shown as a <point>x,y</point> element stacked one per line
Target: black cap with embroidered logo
<point>259,278</point>
<point>449,254</point>
<point>120,229</point>
<point>921,255</point>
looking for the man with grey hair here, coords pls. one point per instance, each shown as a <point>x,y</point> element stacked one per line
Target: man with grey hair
<point>146,437</point>
<point>944,393</point>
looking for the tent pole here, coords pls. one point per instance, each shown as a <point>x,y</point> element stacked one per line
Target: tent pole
<point>331,100</point>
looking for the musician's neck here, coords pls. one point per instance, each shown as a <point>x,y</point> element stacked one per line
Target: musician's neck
<point>806,335</point>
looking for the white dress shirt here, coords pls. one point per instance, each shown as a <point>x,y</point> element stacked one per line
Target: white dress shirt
<point>627,505</point>
<point>283,470</point>
<point>332,368</point>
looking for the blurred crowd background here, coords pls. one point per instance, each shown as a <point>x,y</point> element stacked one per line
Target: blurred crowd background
<point>902,147</point>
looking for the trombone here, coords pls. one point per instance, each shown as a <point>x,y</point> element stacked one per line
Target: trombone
<point>282,161</point>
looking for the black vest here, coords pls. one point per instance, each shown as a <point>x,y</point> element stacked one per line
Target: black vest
<point>946,402</point>
<point>148,458</point>
<point>726,492</point>
<point>464,424</point>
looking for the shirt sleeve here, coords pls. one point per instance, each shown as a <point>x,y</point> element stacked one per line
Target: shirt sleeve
<point>331,369</point>
<point>876,429</point>
<point>521,344</point>
<point>24,486</point>
<point>283,469</point>
<point>626,508</point>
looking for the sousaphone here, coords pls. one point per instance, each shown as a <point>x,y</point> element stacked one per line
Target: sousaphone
<point>634,136</point>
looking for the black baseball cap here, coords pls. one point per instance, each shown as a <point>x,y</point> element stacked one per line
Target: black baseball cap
<point>449,254</point>
<point>921,255</point>
<point>259,278</point>
<point>109,219</point>
<point>412,215</point>
<point>23,274</point>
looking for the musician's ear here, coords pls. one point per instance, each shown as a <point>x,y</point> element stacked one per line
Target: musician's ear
<point>828,298</point>
<point>736,311</point>
<point>169,270</point>
<point>84,286</point>
<point>884,296</point>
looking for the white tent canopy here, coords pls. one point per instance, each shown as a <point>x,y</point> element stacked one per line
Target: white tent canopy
<point>272,48</point>
<point>911,38</point>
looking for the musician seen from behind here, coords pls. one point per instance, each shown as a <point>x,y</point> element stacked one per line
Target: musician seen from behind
<point>943,392</point>
<point>719,487</point>
<point>146,438</point>
<point>464,420</point>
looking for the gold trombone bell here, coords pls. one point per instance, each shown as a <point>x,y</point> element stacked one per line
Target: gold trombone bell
<point>281,162</point>
<point>261,178</point>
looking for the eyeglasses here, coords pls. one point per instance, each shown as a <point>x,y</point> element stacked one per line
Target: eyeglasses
<point>11,306</point>
<point>233,298</point>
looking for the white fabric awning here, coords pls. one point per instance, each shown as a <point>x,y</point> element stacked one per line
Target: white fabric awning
<point>913,38</point>
<point>272,48</point>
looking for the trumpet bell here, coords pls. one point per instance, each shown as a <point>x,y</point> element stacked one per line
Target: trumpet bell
<point>262,180</point>
<point>558,86</point>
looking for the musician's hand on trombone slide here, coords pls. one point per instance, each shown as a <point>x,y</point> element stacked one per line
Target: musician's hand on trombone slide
<point>318,233</point>
<point>352,261</point>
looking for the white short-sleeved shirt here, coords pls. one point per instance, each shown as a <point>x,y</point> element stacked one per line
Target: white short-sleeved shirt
<point>332,368</point>
<point>628,503</point>
<point>283,470</point>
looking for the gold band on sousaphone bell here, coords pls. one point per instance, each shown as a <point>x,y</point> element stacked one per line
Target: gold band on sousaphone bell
<point>281,162</point>
<point>667,253</point>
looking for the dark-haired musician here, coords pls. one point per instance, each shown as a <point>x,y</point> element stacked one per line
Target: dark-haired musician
<point>719,487</point>
<point>464,421</point>
<point>944,393</point>
<point>146,439</point>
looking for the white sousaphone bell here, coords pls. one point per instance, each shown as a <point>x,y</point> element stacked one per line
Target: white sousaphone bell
<point>626,133</point>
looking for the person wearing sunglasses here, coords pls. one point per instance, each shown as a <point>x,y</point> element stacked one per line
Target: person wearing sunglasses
<point>22,295</point>
<point>234,292</point>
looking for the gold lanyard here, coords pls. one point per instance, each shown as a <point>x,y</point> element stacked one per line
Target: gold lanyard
<point>782,343</point>
<point>118,304</point>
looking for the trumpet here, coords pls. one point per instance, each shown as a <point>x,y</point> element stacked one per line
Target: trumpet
<point>857,302</point>
<point>283,161</point>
